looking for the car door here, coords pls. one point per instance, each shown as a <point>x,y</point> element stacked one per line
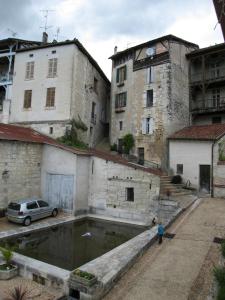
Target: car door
<point>45,209</point>
<point>33,210</point>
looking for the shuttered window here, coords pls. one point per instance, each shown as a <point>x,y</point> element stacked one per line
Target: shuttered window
<point>121,74</point>
<point>50,99</point>
<point>29,70</point>
<point>147,126</point>
<point>52,67</point>
<point>121,100</point>
<point>27,99</point>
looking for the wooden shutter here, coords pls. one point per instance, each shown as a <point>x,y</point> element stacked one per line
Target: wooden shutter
<point>144,99</point>
<point>117,75</point>
<point>151,126</point>
<point>143,126</point>
<point>125,72</point>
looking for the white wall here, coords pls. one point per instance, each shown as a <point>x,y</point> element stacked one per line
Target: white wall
<point>191,154</point>
<point>107,190</point>
<point>58,161</point>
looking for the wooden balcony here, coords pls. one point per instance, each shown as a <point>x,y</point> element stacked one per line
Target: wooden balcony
<point>213,75</point>
<point>208,105</point>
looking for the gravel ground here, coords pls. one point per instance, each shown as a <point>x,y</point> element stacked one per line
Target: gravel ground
<point>35,290</point>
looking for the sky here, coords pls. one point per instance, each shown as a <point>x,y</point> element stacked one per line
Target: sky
<point>100,25</point>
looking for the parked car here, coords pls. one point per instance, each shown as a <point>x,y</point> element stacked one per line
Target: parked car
<point>27,210</point>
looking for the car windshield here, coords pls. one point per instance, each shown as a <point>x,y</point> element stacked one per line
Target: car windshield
<point>14,206</point>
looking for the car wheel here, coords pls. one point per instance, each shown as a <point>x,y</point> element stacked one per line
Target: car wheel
<point>27,221</point>
<point>54,212</point>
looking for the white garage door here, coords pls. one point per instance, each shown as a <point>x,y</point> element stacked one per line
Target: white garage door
<point>59,190</point>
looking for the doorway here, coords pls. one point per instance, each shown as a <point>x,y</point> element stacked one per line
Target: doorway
<point>204,178</point>
<point>141,155</point>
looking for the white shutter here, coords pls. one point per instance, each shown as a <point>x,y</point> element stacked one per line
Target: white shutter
<point>143,126</point>
<point>152,75</point>
<point>144,99</point>
<point>151,126</point>
<point>148,75</point>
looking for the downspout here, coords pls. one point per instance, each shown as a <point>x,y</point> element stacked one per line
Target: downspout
<point>212,159</point>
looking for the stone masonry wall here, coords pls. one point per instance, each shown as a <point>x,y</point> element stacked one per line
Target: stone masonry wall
<point>219,170</point>
<point>107,190</point>
<point>19,171</point>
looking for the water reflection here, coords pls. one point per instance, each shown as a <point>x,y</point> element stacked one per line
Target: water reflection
<point>66,247</point>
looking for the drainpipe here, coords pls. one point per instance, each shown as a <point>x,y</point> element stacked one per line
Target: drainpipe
<point>212,188</point>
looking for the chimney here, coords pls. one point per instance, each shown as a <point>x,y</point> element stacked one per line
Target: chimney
<point>44,38</point>
<point>115,49</point>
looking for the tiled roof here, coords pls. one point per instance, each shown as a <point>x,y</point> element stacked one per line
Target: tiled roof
<point>210,132</point>
<point>120,160</point>
<point>24,134</point>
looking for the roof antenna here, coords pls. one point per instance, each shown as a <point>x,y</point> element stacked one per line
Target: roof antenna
<point>45,13</point>
<point>12,32</point>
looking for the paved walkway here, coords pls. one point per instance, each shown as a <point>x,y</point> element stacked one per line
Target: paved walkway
<point>168,271</point>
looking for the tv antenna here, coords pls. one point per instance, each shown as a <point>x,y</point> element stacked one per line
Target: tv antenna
<point>45,13</point>
<point>12,32</point>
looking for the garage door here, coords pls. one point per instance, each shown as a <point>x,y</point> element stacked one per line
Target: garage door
<point>59,190</point>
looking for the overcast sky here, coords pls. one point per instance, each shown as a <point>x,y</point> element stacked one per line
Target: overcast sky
<point>102,24</point>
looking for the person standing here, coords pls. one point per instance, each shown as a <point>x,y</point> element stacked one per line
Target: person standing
<point>160,232</point>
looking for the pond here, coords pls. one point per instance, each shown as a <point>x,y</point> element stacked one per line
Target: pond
<point>71,245</point>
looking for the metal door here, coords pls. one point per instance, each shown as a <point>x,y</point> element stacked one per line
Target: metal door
<point>59,191</point>
<point>204,177</point>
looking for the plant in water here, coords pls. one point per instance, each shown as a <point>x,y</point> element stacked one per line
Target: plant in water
<point>128,142</point>
<point>18,293</point>
<point>7,256</point>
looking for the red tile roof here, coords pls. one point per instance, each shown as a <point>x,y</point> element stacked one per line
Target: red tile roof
<point>210,132</point>
<point>24,134</point>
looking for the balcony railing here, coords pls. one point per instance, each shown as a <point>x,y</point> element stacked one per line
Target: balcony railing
<point>93,118</point>
<point>208,104</point>
<point>4,79</point>
<point>211,74</point>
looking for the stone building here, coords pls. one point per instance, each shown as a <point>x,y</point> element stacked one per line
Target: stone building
<point>56,82</point>
<point>150,95</point>
<point>207,86</point>
<point>8,48</point>
<point>77,181</point>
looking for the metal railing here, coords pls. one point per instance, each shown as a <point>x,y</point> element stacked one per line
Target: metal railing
<point>145,163</point>
<point>209,103</point>
<point>210,74</point>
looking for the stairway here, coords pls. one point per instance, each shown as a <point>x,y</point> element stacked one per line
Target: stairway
<point>175,189</point>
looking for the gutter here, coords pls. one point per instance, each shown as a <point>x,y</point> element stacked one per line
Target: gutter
<point>212,177</point>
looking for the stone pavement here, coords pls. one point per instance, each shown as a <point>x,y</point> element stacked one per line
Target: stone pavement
<point>168,271</point>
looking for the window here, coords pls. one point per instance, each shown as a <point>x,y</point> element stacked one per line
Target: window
<point>121,125</point>
<point>52,67</point>
<point>51,130</point>
<point>149,75</point>
<point>216,120</point>
<point>96,85</point>
<point>121,100</point>
<point>32,205</point>
<point>50,99</point>
<point>121,74</point>
<point>147,125</point>
<point>29,70</point>
<point>149,100</point>
<point>93,114</point>
<point>31,55</point>
<point>53,51</point>
<point>130,194</point>
<point>1,104</point>
<point>179,168</point>
<point>27,99</point>
<point>215,98</point>
<point>141,155</point>
<point>42,203</point>
<point>91,130</point>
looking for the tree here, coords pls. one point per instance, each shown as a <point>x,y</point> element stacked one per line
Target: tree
<point>128,142</point>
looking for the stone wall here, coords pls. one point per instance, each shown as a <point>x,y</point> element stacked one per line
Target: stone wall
<point>20,171</point>
<point>107,190</point>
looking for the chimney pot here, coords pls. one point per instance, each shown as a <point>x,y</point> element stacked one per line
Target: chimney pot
<point>44,38</point>
<point>115,49</point>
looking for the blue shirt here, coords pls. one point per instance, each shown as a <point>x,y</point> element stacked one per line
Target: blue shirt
<point>160,230</point>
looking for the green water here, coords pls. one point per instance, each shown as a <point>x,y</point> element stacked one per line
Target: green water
<point>65,247</point>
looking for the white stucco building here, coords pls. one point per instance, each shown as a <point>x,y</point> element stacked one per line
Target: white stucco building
<point>56,82</point>
<point>197,153</point>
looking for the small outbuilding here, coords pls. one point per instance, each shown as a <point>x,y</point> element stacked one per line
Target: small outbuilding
<point>197,153</point>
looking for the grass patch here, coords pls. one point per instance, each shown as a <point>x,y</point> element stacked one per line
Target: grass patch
<point>84,274</point>
<point>219,273</point>
<point>223,249</point>
<point>221,293</point>
<point>6,267</point>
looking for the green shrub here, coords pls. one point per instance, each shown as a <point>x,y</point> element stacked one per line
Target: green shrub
<point>221,293</point>
<point>223,249</point>
<point>84,274</point>
<point>128,143</point>
<point>7,255</point>
<point>113,147</point>
<point>219,273</point>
